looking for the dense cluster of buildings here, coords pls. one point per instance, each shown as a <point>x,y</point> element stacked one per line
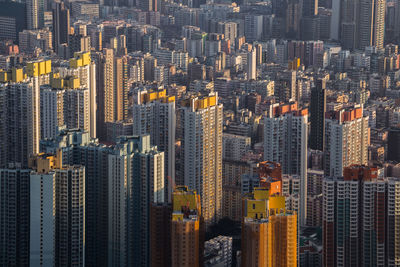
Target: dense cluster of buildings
<point>200,133</point>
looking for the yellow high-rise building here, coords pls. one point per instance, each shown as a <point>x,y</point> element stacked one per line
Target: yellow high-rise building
<point>187,235</point>
<point>269,232</point>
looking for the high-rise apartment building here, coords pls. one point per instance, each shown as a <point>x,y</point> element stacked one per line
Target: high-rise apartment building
<point>251,65</point>
<point>57,212</point>
<point>20,109</point>
<point>269,233</point>
<point>79,149</point>
<point>78,43</point>
<point>82,67</point>
<point>285,142</point>
<point>291,13</point>
<point>187,232</point>
<point>122,182</point>
<point>202,152</point>
<point>344,23</point>
<point>145,186</point>
<point>69,216</point>
<point>359,218</point>
<point>394,141</point>
<point>317,116</point>
<point>253,27</point>
<point>291,191</point>
<point>51,111</point>
<point>310,22</point>
<point>69,100</point>
<point>14,219</point>
<point>136,181</point>
<point>112,89</point>
<point>42,185</point>
<point>76,108</point>
<point>64,103</point>
<point>12,19</point>
<point>346,140</point>
<point>229,29</point>
<point>154,114</point>
<point>150,5</point>
<point>61,25</point>
<point>358,24</point>
<point>160,234</point>
<point>371,23</point>
<point>310,8</point>
<point>121,88</point>
<point>105,96</point>
<point>35,14</point>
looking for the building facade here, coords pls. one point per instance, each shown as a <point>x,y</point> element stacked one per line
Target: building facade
<point>202,153</point>
<point>285,142</point>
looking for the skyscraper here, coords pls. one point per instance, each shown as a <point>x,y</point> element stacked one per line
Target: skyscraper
<point>14,221</point>
<point>81,66</point>
<point>359,219</point>
<point>269,234</point>
<point>310,22</point>
<point>20,96</point>
<point>51,111</point>
<point>358,24</point>
<point>318,108</point>
<point>79,149</point>
<point>76,108</point>
<point>104,91</point>
<point>160,234</point>
<point>285,142</point>
<point>346,23</point>
<point>57,212</point>
<point>61,25</point>
<point>394,148</point>
<point>253,27</point>
<point>310,8</point>
<point>69,215</point>
<point>150,5</point>
<point>371,23</point>
<point>154,114</point>
<point>42,185</point>
<point>136,181</point>
<point>251,65</point>
<point>346,140</point>
<point>202,152</point>
<point>291,10</point>
<point>35,14</point>
<point>121,88</point>
<point>69,100</point>
<point>187,232</point>
<point>147,186</point>
<point>12,19</point>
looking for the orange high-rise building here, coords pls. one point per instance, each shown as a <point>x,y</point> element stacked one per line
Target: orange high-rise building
<point>269,233</point>
<point>187,234</point>
<point>270,242</point>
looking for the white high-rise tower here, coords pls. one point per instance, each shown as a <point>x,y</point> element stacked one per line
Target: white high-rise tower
<point>154,114</point>
<point>285,142</point>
